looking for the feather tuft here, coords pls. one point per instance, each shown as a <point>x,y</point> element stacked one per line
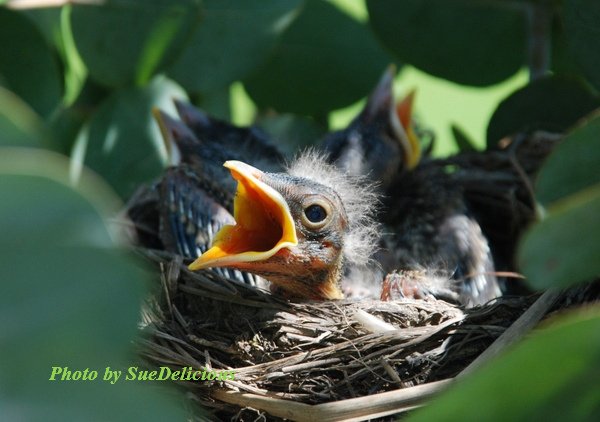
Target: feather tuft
<point>358,195</point>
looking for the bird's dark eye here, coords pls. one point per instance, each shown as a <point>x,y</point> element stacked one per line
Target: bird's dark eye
<point>315,213</point>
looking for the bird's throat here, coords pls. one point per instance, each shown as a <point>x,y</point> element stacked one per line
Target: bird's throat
<point>317,285</point>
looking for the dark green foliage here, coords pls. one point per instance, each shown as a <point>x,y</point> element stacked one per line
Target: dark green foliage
<point>547,377</point>
<point>121,141</point>
<point>127,41</point>
<point>69,297</point>
<point>469,42</point>
<point>463,141</point>
<point>82,81</point>
<point>563,248</point>
<point>326,60</point>
<point>553,104</point>
<point>28,66</point>
<point>574,165</point>
<point>581,19</point>
<point>232,41</point>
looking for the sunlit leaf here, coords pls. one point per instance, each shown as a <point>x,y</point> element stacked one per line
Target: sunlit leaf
<point>122,141</point>
<point>552,103</point>
<point>550,376</point>
<point>235,36</point>
<point>325,60</point>
<point>466,41</point>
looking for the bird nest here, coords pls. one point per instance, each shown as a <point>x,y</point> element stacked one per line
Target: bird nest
<point>337,360</point>
<point>288,358</point>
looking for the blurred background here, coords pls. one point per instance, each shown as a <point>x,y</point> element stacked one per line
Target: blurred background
<point>78,81</point>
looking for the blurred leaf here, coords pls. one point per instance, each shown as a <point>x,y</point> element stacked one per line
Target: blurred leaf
<point>68,298</point>
<point>55,24</point>
<point>563,248</point>
<point>126,41</point>
<point>75,70</point>
<point>291,132</point>
<point>573,165</point>
<point>449,38</point>
<point>462,140</point>
<point>325,60</point>
<point>561,57</point>
<point>217,103</point>
<point>27,65</point>
<point>581,19</point>
<point>47,21</point>
<point>234,37</point>
<point>121,141</point>
<point>552,103</point>
<point>19,124</point>
<point>66,123</point>
<point>552,375</point>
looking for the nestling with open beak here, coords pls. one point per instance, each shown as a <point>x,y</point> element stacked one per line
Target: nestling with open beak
<point>183,210</point>
<point>297,228</point>
<point>380,142</point>
<point>428,227</point>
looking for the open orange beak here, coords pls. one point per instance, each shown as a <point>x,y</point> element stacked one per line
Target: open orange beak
<point>264,224</point>
<point>401,124</point>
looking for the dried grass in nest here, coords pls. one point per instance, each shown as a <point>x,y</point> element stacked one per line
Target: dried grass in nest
<point>312,353</point>
<point>328,360</point>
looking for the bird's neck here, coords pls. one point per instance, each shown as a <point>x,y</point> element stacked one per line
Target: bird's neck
<point>318,285</point>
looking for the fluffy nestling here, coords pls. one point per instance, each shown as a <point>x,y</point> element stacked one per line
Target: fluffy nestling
<point>296,228</point>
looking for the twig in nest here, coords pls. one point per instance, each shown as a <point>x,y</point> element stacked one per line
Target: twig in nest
<point>369,407</point>
<point>517,330</point>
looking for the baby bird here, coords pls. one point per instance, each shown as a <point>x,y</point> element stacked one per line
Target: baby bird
<point>380,141</point>
<point>184,209</point>
<point>427,225</point>
<point>297,229</point>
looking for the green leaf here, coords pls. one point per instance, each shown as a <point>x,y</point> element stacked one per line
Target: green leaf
<point>563,248</point>
<point>125,41</point>
<point>68,298</point>
<point>55,24</point>
<point>19,124</point>
<point>47,21</point>
<point>291,132</point>
<point>551,103</point>
<point>234,37</point>
<point>562,61</point>
<point>27,64</point>
<point>469,42</point>
<point>122,141</point>
<point>217,103</point>
<point>581,19</point>
<point>324,61</point>
<point>66,123</point>
<point>553,375</point>
<point>573,165</point>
